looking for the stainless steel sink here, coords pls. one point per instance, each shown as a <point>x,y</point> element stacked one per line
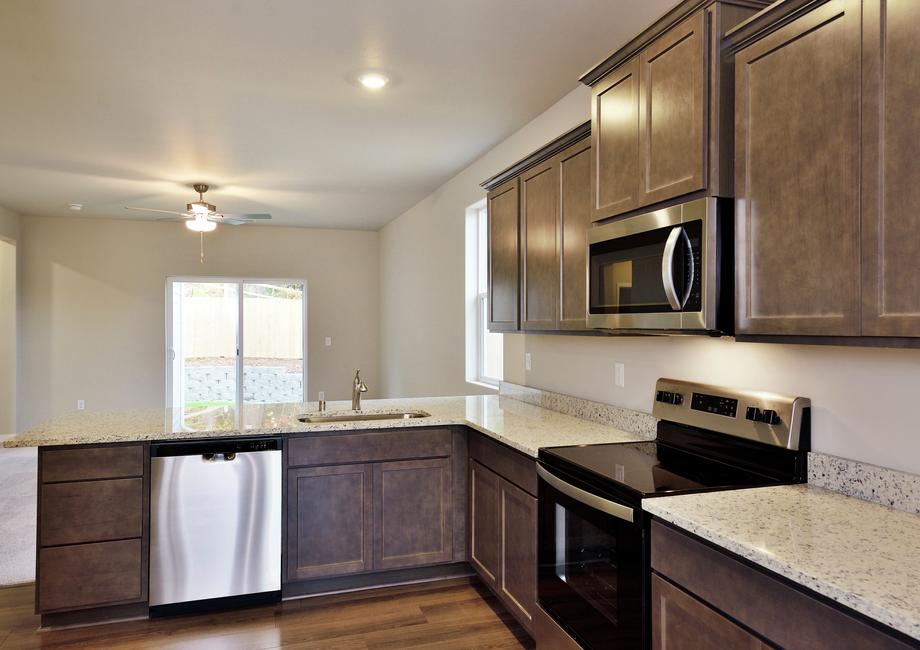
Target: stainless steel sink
<point>363,417</point>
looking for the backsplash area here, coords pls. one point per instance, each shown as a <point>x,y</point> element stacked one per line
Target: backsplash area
<point>642,424</point>
<point>887,487</point>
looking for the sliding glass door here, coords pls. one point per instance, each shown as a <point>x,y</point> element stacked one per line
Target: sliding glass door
<point>233,341</point>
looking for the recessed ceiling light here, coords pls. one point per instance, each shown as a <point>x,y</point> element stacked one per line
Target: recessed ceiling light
<point>75,206</point>
<point>373,80</point>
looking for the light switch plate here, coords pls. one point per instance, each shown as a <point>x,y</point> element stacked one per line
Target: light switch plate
<point>528,364</point>
<point>81,405</point>
<point>328,341</point>
<point>619,374</point>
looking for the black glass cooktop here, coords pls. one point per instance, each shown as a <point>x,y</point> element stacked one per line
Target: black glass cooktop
<point>645,469</point>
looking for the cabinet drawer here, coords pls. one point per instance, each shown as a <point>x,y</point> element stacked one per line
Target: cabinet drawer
<point>92,463</point>
<point>368,447</point>
<point>91,511</point>
<point>504,461</point>
<point>90,575</point>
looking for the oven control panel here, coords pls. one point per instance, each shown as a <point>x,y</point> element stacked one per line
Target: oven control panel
<point>756,415</point>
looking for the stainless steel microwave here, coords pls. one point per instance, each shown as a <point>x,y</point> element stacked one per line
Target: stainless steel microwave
<point>665,271</point>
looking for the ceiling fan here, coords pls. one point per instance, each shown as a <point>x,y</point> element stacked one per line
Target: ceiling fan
<point>201,216</point>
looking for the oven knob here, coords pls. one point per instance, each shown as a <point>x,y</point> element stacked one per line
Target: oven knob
<point>771,417</point>
<point>659,397</point>
<point>677,399</point>
<point>753,414</point>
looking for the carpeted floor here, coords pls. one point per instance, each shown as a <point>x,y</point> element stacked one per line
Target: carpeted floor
<point>17,515</point>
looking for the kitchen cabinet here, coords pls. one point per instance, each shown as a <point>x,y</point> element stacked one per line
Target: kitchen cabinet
<point>503,525</point>
<point>661,112</point>
<point>703,597</point>
<point>797,176</point>
<point>504,249</point>
<point>92,541</point>
<point>554,214</point>
<point>369,501</point>
<point>890,191</point>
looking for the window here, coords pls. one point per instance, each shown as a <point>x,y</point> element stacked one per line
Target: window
<point>232,342</point>
<point>484,348</point>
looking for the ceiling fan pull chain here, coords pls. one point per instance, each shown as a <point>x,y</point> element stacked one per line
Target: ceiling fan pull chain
<point>202,247</point>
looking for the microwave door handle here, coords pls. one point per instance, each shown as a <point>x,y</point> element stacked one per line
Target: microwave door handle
<point>692,268</point>
<point>667,264</point>
<point>618,510</point>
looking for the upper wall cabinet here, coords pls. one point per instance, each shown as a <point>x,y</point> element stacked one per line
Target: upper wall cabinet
<point>661,111</point>
<point>539,213</point>
<point>504,249</point>
<point>828,206</point>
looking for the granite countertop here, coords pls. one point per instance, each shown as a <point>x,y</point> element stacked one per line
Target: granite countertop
<point>520,425</point>
<point>862,555</point>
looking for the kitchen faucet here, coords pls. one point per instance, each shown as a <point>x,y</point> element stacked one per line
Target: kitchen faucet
<point>357,388</point>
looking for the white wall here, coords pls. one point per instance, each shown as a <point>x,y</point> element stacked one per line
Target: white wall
<point>422,266</point>
<point>9,234</point>
<point>92,305</point>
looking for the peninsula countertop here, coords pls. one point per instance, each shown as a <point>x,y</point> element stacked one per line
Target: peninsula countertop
<point>861,554</point>
<point>522,426</point>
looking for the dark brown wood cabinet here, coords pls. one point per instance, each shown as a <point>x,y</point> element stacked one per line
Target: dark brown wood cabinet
<point>504,262</point>
<point>797,176</point>
<point>661,117</point>
<point>92,529</point>
<point>890,191</point>
<point>413,513</point>
<point>540,209</point>
<point>369,501</point>
<point>330,520</point>
<point>554,214</point>
<point>503,525</point>
<point>703,597</point>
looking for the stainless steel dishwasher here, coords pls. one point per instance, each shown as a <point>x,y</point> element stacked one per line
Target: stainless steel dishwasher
<point>215,530</point>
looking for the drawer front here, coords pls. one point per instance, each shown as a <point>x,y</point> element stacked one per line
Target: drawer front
<point>511,465</point>
<point>90,575</point>
<point>91,511</point>
<point>91,463</point>
<point>368,447</point>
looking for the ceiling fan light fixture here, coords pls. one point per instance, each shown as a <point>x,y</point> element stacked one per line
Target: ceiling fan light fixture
<point>201,207</point>
<point>200,224</point>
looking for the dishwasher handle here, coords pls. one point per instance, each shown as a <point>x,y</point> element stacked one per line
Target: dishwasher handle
<point>217,449</point>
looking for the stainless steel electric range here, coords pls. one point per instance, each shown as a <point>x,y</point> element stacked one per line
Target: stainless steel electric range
<point>593,545</point>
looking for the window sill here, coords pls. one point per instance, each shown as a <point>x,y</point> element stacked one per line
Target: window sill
<point>482,384</point>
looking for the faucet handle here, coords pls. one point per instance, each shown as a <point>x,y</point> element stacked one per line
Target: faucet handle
<point>322,406</point>
<point>362,387</point>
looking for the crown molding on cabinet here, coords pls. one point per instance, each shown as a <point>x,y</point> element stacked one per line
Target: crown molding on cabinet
<point>546,152</point>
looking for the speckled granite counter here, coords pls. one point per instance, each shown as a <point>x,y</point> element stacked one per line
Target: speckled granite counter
<point>862,555</point>
<point>523,426</point>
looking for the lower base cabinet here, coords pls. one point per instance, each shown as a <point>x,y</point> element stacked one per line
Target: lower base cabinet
<point>704,598</point>
<point>503,530</point>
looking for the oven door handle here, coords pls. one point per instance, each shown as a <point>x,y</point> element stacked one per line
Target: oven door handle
<point>667,267</point>
<point>618,510</point>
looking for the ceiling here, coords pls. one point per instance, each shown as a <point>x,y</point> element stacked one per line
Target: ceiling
<point>128,102</point>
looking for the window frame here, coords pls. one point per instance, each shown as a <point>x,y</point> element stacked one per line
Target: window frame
<point>239,282</point>
<point>482,298</point>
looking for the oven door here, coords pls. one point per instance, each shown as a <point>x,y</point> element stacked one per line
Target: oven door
<point>651,271</point>
<point>590,565</point>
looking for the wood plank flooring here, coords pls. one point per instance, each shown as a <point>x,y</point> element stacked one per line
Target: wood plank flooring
<point>449,614</point>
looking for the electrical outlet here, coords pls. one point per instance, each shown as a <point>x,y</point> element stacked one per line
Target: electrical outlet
<point>328,341</point>
<point>81,404</point>
<point>322,394</point>
<point>619,374</point>
<point>528,363</point>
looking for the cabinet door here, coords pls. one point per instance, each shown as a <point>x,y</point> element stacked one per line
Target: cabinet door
<point>502,205</point>
<point>330,521</point>
<point>539,247</point>
<point>797,140</point>
<point>891,193</point>
<point>575,189</point>
<point>672,112</point>
<point>681,622</point>
<point>615,141</point>
<point>518,573</point>
<point>484,523</point>
<point>413,513</point>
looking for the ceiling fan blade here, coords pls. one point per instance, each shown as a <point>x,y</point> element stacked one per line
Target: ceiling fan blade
<point>181,214</point>
<point>231,222</point>
<point>248,217</point>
